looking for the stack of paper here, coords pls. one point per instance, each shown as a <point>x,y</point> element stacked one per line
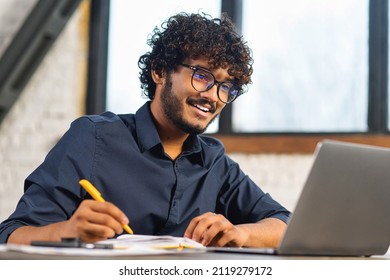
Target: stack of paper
<point>123,245</point>
<point>154,242</point>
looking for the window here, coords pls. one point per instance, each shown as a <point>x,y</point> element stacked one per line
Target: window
<point>311,67</point>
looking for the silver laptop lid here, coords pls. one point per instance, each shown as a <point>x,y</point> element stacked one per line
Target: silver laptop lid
<point>344,208</point>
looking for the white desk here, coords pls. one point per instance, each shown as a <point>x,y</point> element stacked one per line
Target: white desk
<point>14,255</point>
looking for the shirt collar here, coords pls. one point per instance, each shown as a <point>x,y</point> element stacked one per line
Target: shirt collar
<point>148,136</point>
<point>146,130</point>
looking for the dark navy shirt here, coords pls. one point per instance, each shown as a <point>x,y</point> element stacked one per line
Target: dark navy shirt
<point>122,155</point>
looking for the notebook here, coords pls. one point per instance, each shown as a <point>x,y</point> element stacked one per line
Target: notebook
<point>344,207</point>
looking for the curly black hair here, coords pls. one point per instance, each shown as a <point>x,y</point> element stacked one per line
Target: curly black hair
<point>192,36</point>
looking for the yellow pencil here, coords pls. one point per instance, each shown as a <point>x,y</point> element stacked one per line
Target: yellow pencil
<point>96,195</point>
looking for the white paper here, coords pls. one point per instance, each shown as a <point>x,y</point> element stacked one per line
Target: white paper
<point>125,245</point>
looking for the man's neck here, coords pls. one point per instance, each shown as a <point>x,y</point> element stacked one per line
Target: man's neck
<point>172,138</point>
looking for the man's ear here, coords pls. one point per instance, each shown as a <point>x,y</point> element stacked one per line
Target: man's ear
<point>158,77</point>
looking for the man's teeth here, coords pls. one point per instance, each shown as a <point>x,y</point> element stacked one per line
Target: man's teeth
<point>204,109</point>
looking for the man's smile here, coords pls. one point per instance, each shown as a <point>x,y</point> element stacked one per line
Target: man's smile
<point>202,105</point>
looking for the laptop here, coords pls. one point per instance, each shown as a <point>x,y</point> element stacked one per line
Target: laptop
<point>344,207</point>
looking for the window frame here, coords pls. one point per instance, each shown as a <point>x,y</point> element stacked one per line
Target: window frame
<point>303,142</point>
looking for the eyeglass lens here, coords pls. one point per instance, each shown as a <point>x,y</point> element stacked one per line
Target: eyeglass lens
<point>203,81</point>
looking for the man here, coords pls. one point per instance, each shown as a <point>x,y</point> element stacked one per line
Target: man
<point>153,168</point>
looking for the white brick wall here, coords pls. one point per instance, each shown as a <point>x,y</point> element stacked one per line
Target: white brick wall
<point>11,13</point>
<point>48,104</point>
<point>282,176</point>
<point>52,99</point>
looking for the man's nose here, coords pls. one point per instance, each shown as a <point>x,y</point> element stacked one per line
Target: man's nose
<point>211,94</point>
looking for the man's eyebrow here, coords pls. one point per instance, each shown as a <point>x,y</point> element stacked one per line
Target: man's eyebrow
<point>232,79</point>
<point>202,67</point>
<point>228,79</point>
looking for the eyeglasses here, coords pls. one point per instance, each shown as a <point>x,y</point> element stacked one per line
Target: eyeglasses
<point>202,80</point>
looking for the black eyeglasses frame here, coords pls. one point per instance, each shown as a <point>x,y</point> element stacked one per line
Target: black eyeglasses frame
<point>216,82</point>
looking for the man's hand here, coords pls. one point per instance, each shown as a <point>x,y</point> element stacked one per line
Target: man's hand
<point>215,230</point>
<point>94,221</point>
<point>91,222</point>
<point>212,229</point>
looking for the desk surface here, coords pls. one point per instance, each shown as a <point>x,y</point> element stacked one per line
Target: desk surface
<point>202,265</point>
<point>10,255</point>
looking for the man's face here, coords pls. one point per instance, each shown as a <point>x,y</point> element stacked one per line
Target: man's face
<point>186,108</point>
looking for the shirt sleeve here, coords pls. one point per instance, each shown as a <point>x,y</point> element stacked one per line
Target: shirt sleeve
<point>52,192</point>
<point>243,201</point>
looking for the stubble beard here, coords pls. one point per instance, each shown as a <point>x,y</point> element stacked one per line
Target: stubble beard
<point>173,109</point>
